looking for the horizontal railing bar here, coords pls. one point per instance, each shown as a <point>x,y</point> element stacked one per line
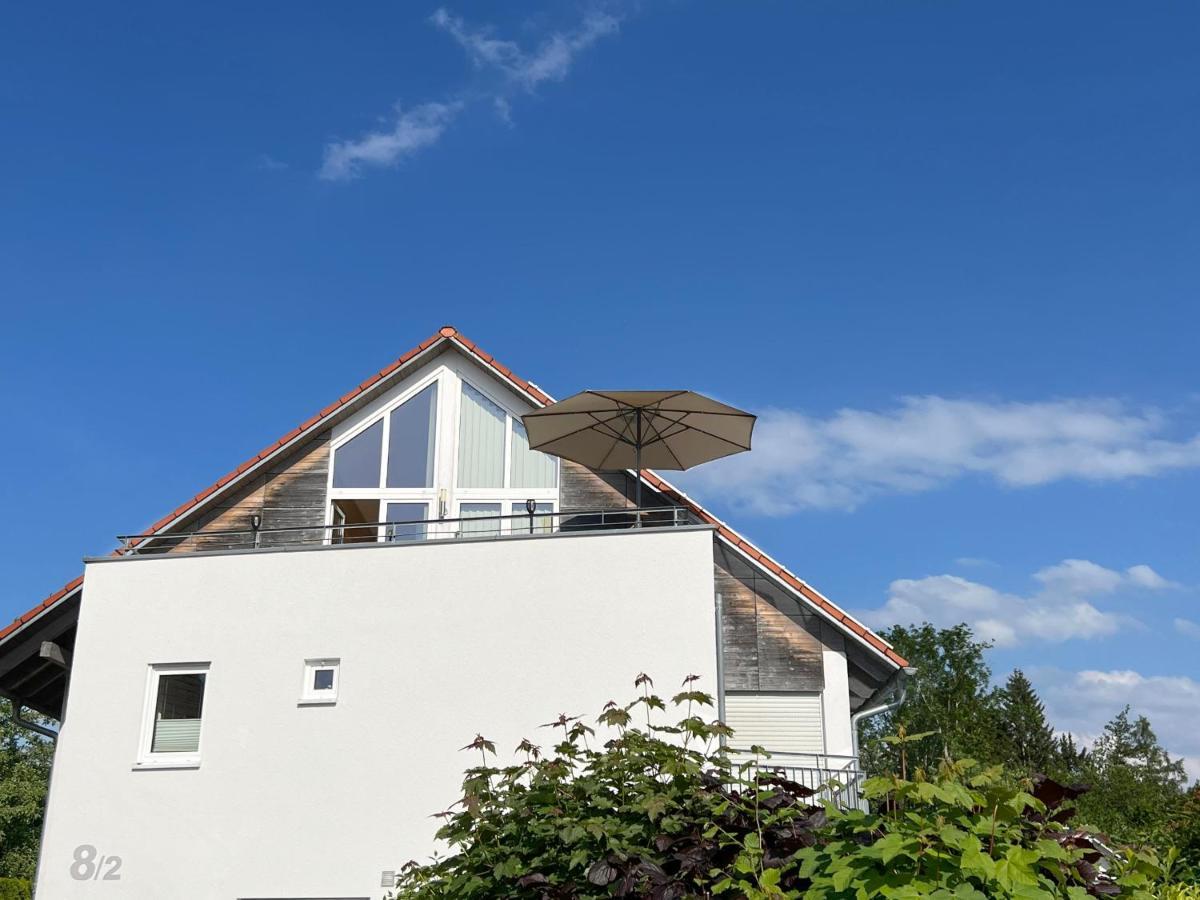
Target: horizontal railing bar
<point>672,514</point>
<point>793,754</point>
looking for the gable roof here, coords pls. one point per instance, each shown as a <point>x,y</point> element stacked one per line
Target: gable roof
<point>451,335</point>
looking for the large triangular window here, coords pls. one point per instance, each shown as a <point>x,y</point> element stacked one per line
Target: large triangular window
<point>410,448</point>
<point>443,458</point>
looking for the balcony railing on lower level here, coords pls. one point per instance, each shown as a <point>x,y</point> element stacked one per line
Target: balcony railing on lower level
<point>835,779</point>
<point>539,521</point>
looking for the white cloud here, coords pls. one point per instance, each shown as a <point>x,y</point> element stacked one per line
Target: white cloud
<point>268,163</point>
<point>1079,576</point>
<point>519,70</point>
<point>1062,609</point>
<point>974,562</point>
<point>1082,702</point>
<point>1147,577</point>
<point>550,61</point>
<point>414,129</point>
<point>1188,628</point>
<point>802,462</point>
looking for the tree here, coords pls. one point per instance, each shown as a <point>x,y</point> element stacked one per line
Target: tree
<point>24,776</point>
<point>1027,738</point>
<point>1184,830</point>
<point>951,695</point>
<point>1070,758</point>
<point>1137,789</point>
<point>952,712</point>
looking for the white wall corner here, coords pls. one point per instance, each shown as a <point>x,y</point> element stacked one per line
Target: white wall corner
<point>836,701</point>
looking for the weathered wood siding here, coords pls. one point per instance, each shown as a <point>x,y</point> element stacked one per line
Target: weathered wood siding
<point>289,493</point>
<point>771,640</point>
<point>583,488</point>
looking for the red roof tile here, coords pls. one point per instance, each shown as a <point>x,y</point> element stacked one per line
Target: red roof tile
<point>450,333</point>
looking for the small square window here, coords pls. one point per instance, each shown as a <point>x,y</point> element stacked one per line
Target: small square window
<point>320,685</point>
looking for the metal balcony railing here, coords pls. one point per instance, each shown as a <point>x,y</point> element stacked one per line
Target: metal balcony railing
<point>836,779</point>
<point>538,522</point>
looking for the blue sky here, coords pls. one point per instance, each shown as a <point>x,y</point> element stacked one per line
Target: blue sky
<point>946,250</point>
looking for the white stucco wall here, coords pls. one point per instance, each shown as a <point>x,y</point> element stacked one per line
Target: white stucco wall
<point>835,701</point>
<point>438,641</point>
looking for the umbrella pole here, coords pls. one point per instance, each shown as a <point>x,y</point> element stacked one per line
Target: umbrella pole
<point>637,473</point>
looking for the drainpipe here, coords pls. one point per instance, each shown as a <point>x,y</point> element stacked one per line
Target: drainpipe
<point>720,616</point>
<point>21,722</point>
<point>895,687</point>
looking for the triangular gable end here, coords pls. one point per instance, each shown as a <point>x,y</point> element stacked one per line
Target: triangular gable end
<point>445,337</point>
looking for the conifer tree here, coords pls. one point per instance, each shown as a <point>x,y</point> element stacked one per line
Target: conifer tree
<point>1137,788</point>
<point>1027,737</point>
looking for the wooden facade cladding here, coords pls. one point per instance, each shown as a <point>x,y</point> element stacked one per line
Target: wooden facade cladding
<point>771,640</point>
<point>288,493</point>
<point>582,488</point>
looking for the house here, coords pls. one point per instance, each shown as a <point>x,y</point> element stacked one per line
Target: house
<point>263,695</point>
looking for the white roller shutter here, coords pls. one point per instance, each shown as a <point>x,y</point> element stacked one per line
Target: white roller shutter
<point>781,723</point>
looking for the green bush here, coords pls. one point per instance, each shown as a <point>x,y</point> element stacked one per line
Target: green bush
<point>1182,892</point>
<point>661,812</point>
<point>14,889</point>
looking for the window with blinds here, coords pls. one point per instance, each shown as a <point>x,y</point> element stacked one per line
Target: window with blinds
<point>174,714</point>
<point>483,429</point>
<point>481,426</point>
<point>479,518</point>
<point>781,723</point>
<point>530,468</point>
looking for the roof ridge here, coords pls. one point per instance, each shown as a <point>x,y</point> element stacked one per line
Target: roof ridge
<point>451,334</point>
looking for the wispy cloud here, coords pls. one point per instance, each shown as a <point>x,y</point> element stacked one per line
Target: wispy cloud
<point>268,163</point>
<point>1061,609</point>
<point>975,562</point>
<point>551,60</point>
<point>412,130</point>
<point>804,462</point>
<point>1082,702</point>
<point>515,71</point>
<point>1188,628</point>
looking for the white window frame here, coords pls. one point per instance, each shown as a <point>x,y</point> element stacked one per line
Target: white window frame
<point>310,696</point>
<point>504,492</point>
<point>384,530</point>
<point>147,758</point>
<point>426,495</point>
<point>508,524</point>
<point>444,497</point>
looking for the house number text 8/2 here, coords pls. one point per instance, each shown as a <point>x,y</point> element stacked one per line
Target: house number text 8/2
<point>89,866</point>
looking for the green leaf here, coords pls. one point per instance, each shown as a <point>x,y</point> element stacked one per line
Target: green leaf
<point>842,878</point>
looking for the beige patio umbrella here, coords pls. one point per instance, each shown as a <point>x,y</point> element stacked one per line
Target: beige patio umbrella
<point>671,430</point>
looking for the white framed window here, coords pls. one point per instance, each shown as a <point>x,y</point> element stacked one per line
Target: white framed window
<point>173,716</point>
<point>406,521</point>
<point>493,450</point>
<point>322,680</point>
<point>496,472</point>
<point>541,522</point>
<point>447,445</point>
